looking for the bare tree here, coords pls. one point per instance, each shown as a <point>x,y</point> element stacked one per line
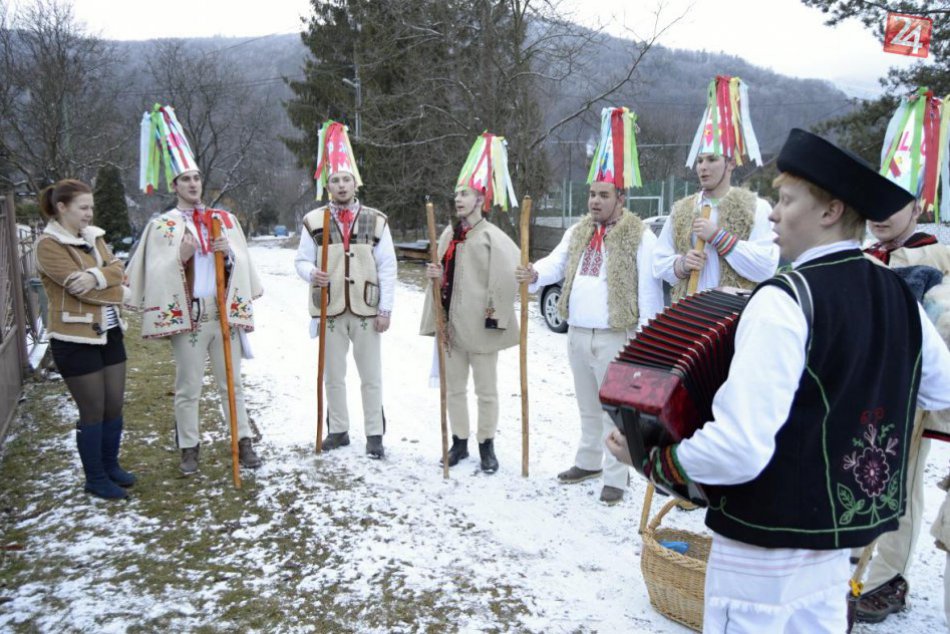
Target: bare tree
<point>57,96</point>
<point>210,96</point>
<point>434,74</point>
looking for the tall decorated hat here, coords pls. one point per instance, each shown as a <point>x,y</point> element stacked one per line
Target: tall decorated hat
<point>162,142</point>
<point>616,159</point>
<point>486,171</point>
<point>726,128</point>
<point>334,154</point>
<point>915,153</point>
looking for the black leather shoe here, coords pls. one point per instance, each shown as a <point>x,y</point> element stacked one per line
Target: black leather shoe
<point>336,440</point>
<point>458,451</point>
<point>374,447</point>
<point>486,449</point>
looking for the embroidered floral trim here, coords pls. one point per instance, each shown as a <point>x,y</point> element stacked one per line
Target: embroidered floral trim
<point>167,227</point>
<point>240,308</point>
<point>872,472</point>
<point>173,315</point>
<point>592,262</point>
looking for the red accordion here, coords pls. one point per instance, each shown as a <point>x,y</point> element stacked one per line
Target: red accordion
<point>660,388</point>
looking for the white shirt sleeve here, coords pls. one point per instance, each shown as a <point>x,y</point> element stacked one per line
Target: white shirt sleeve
<point>754,402</point>
<point>649,288</point>
<point>385,254</point>
<point>306,258</point>
<point>551,267</point>
<point>934,392</point>
<point>756,259</point>
<point>664,254</point>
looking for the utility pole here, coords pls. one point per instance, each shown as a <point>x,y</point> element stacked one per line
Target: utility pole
<point>357,85</point>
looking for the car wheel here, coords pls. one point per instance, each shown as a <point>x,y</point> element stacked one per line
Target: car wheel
<point>549,302</point>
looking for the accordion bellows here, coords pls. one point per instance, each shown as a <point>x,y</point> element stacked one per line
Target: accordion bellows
<point>660,388</point>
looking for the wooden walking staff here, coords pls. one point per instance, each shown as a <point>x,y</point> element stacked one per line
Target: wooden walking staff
<point>525,245</point>
<point>700,245</point>
<point>439,332</point>
<point>222,296</point>
<point>322,346</point>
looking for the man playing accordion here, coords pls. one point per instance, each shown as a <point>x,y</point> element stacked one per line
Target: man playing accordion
<point>805,455</point>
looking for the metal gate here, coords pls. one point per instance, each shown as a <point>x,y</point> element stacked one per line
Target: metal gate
<point>13,354</point>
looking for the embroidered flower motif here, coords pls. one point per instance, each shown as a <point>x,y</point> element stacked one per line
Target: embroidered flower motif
<point>167,227</point>
<point>870,467</point>
<point>872,471</point>
<point>173,315</point>
<point>240,308</point>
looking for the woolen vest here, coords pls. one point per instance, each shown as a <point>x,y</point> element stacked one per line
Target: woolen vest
<point>621,243</point>
<point>354,280</point>
<point>736,215</point>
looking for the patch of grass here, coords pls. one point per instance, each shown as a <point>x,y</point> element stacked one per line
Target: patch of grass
<point>195,553</point>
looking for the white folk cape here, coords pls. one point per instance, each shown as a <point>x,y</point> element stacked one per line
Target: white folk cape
<point>159,288</point>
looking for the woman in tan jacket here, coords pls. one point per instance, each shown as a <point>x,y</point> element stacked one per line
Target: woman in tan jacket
<point>83,281</point>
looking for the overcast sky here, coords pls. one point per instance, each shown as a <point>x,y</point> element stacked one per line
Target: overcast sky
<point>783,35</point>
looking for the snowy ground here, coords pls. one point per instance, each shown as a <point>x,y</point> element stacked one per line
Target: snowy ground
<point>565,561</point>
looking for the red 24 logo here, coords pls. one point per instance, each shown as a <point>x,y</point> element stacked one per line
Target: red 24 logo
<point>907,35</point>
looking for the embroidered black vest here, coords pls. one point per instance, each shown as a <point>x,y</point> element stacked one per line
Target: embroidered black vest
<point>837,478</point>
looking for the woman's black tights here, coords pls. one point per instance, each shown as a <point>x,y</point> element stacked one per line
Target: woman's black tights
<point>99,395</point>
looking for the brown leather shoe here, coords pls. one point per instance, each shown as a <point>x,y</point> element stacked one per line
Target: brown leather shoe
<point>576,474</point>
<point>246,454</point>
<point>883,601</point>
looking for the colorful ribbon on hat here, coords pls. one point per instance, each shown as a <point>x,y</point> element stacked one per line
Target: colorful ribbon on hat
<point>162,142</point>
<point>486,170</point>
<point>334,154</point>
<point>726,126</point>
<point>616,159</point>
<point>915,155</point>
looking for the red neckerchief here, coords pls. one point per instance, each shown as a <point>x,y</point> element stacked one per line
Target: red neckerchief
<point>448,262</point>
<point>345,217</point>
<point>883,253</point>
<point>597,240</point>
<point>203,219</point>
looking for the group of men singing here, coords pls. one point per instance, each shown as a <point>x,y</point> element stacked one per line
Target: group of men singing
<point>814,447</point>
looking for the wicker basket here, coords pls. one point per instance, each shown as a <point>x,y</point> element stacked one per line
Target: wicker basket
<point>675,582</point>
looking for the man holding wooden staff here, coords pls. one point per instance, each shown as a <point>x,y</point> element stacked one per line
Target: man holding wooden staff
<point>478,296</point>
<point>361,277</point>
<point>172,280</point>
<point>721,236</point>
<point>609,291</point>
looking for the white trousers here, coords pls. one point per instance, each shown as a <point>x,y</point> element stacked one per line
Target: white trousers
<point>753,590</point>
<point>946,590</point>
<point>590,351</point>
<point>484,373</point>
<point>190,351</point>
<point>341,330</point>
<point>894,550</point>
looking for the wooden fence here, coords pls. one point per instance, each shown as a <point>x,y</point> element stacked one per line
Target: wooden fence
<point>19,327</point>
